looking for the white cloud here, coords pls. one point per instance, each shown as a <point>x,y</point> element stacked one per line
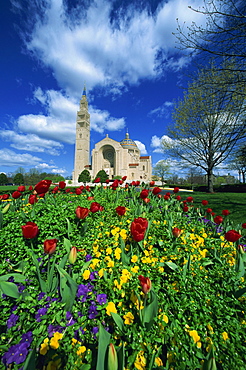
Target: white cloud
<point>163,110</point>
<point>141,147</point>
<point>101,121</point>
<point>10,158</point>
<point>102,52</point>
<point>31,142</point>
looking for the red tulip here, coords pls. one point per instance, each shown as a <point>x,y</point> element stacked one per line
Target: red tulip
<point>97,180</point>
<point>232,236</point>
<point>166,197</point>
<point>189,199</point>
<point>204,202</point>
<point>145,283</point>
<point>146,200</point>
<point>42,186</point>
<point>21,188</point>
<point>152,183</point>
<point>32,199</point>
<point>50,246</point>
<point>62,184</point>
<point>156,190</point>
<point>112,358</point>
<point>16,194</point>
<point>225,212</point>
<point>124,178</point>
<point>176,232</point>
<point>78,191</point>
<point>30,188</point>
<point>209,210</point>
<point>95,207</point>
<point>137,183</point>
<point>82,212</point>
<point>144,193</point>
<point>4,196</point>
<point>107,181</point>
<point>90,198</point>
<point>244,225</point>
<point>55,190</point>
<point>185,208</point>
<point>218,220</point>
<point>138,228</point>
<point>176,190</point>
<point>178,197</point>
<point>120,210</point>
<point>29,230</point>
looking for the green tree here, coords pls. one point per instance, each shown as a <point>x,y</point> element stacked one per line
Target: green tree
<point>208,123</point>
<point>19,179</point>
<point>238,162</point>
<point>3,179</point>
<point>102,175</point>
<point>84,176</point>
<point>161,170</point>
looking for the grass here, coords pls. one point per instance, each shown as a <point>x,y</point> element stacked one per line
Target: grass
<point>234,202</point>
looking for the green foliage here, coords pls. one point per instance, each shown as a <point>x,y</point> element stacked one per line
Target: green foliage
<point>102,175</point>
<point>54,178</point>
<point>19,179</point>
<point>3,179</point>
<point>84,176</point>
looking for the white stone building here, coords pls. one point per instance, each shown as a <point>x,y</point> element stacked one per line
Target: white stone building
<point>116,158</point>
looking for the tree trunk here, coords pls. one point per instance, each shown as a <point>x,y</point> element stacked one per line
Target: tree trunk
<point>210,180</point>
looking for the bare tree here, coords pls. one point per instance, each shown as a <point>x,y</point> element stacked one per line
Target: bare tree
<point>223,36</point>
<point>238,163</point>
<point>161,169</point>
<point>208,123</point>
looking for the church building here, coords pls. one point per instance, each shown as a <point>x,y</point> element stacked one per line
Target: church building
<point>115,158</point>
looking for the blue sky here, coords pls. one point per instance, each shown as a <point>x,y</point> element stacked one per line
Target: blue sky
<point>124,51</point>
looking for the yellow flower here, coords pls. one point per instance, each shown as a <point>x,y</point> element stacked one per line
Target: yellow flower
<point>109,250</point>
<point>117,253</point>
<point>86,274</point>
<point>165,319</point>
<point>210,328</point>
<point>135,269</point>
<point>55,363</point>
<point>54,340</point>
<point>195,337</point>
<point>100,272</point>
<point>140,362</point>
<point>123,234</point>
<point>158,361</point>
<point>57,335</point>
<point>111,308</point>
<point>134,258</point>
<point>110,263</point>
<point>44,347</point>
<point>225,335</point>
<point>129,318</point>
<point>81,350</point>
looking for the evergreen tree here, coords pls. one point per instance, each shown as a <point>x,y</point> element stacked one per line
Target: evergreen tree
<point>102,175</point>
<point>84,176</point>
<point>3,179</point>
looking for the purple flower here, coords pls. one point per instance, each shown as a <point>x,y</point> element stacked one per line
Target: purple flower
<point>26,338</point>
<point>93,275</point>
<point>88,257</point>
<point>95,330</point>
<point>41,296</point>
<point>70,319</point>
<point>101,298</point>
<point>92,311</point>
<point>41,312</point>
<point>12,320</point>
<point>83,290</point>
<point>54,328</point>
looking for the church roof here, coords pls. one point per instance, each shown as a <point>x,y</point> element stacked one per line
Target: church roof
<point>128,143</point>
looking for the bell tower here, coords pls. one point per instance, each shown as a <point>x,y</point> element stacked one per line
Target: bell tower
<point>82,144</point>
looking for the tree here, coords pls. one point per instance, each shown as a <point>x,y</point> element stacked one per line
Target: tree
<point>19,179</point>
<point>102,175</point>
<point>161,169</point>
<point>238,163</point>
<point>208,123</point>
<point>3,179</point>
<point>84,176</point>
<point>223,36</point>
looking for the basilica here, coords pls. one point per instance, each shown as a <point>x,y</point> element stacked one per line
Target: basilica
<point>115,158</point>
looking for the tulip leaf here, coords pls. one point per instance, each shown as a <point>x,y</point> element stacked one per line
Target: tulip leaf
<point>1,219</point>
<point>41,281</point>
<point>239,267</point>
<point>172,265</point>
<point>118,320</point>
<point>50,277</point>
<point>18,278</point>
<point>30,362</point>
<point>103,342</point>
<point>121,356</point>
<point>239,292</point>
<point>10,289</point>
<point>67,244</point>
<point>68,288</point>
<point>150,310</point>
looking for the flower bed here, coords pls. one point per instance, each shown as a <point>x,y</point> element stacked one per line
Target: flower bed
<point>111,278</point>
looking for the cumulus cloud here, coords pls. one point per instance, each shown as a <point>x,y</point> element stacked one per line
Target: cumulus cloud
<point>141,147</point>
<point>9,158</point>
<point>101,121</point>
<point>163,110</point>
<point>105,52</point>
<point>31,142</point>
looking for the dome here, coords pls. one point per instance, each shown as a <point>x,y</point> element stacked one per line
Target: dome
<point>128,143</point>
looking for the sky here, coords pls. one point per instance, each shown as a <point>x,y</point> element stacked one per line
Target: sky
<point>123,51</point>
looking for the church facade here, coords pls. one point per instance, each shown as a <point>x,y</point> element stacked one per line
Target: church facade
<point>115,158</point>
